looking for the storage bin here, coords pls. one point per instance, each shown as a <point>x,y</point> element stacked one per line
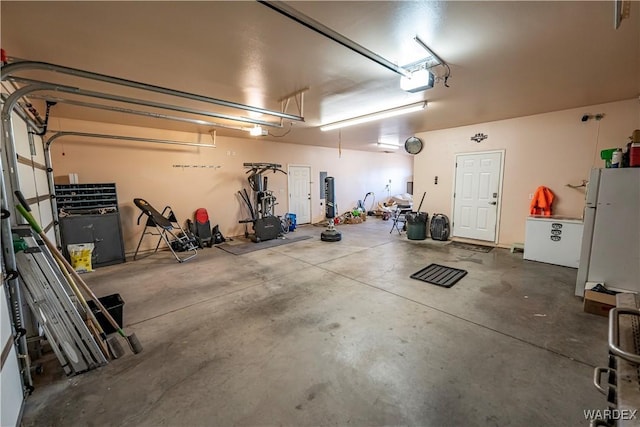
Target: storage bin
<point>416,225</point>
<point>114,305</point>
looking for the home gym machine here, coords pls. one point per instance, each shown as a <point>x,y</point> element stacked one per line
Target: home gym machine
<point>330,234</point>
<point>266,225</point>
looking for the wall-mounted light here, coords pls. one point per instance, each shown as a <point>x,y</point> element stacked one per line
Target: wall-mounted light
<point>379,115</point>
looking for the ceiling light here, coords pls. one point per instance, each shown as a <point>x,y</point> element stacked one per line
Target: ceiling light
<point>388,145</point>
<point>255,131</point>
<point>379,115</point>
<point>418,81</point>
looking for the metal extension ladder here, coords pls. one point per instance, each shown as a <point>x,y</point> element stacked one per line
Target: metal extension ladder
<point>55,307</point>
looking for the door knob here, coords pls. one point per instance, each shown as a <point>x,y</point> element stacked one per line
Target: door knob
<point>493,203</point>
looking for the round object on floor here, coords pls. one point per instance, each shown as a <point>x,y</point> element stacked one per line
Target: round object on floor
<point>331,236</point>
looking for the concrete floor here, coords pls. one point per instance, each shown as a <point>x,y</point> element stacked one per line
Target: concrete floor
<point>318,333</point>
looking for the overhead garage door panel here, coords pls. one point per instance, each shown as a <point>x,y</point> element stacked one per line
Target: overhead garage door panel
<point>27,181</point>
<point>21,136</point>
<point>32,172</point>
<point>41,182</point>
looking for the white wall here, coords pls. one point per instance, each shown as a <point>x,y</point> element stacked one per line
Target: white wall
<point>552,149</point>
<point>146,170</point>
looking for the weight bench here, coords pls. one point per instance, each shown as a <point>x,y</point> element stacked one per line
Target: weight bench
<point>168,228</point>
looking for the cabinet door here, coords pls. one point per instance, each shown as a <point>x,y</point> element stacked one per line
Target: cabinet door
<point>101,230</point>
<point>568,247</point>
<point>554,242</point>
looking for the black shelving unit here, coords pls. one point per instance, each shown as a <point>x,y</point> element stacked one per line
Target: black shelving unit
<point>88,213</point>
<point>86,198</point>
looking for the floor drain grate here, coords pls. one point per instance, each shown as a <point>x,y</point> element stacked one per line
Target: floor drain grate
<point>440,275</point>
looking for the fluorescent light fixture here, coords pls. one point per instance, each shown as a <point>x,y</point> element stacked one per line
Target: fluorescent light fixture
<point>379,115</point>
<point>388,145</point>
<point>419,80</point>
<point>255,131</point>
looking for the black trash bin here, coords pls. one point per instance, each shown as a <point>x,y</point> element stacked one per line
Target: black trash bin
<point>417,225</point>
<point>114,305</point>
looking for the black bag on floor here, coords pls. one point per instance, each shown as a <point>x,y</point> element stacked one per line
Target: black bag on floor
<point>217,235</point>
<point>439,227</point>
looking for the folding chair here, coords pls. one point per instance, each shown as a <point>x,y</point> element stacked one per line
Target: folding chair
<point>399,219</point>
<point>168,228</point>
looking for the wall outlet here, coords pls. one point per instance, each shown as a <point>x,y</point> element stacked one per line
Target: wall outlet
<point>530,196</point>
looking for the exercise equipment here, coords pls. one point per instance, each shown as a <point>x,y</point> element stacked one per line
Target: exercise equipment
<point>330,234</point>
<point>217,236</point>
<point>266,225</point>
<point>201,229</point>
<point>168,229</point>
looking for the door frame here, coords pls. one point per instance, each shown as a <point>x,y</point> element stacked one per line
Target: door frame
<point>502,153</point>
<point>298,165</point>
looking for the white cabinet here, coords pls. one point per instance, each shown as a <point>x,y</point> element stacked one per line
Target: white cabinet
<point>553,240</point>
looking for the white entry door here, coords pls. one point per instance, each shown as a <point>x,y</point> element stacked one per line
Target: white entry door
<point>476,195</point>
<point>300,193</point>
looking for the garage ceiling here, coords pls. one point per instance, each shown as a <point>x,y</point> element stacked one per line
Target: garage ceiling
<point>507,59</point>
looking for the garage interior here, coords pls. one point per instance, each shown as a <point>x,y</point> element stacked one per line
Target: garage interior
<point>174,103</point>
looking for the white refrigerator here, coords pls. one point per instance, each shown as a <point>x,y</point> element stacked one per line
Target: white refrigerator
<point>610,252</point>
